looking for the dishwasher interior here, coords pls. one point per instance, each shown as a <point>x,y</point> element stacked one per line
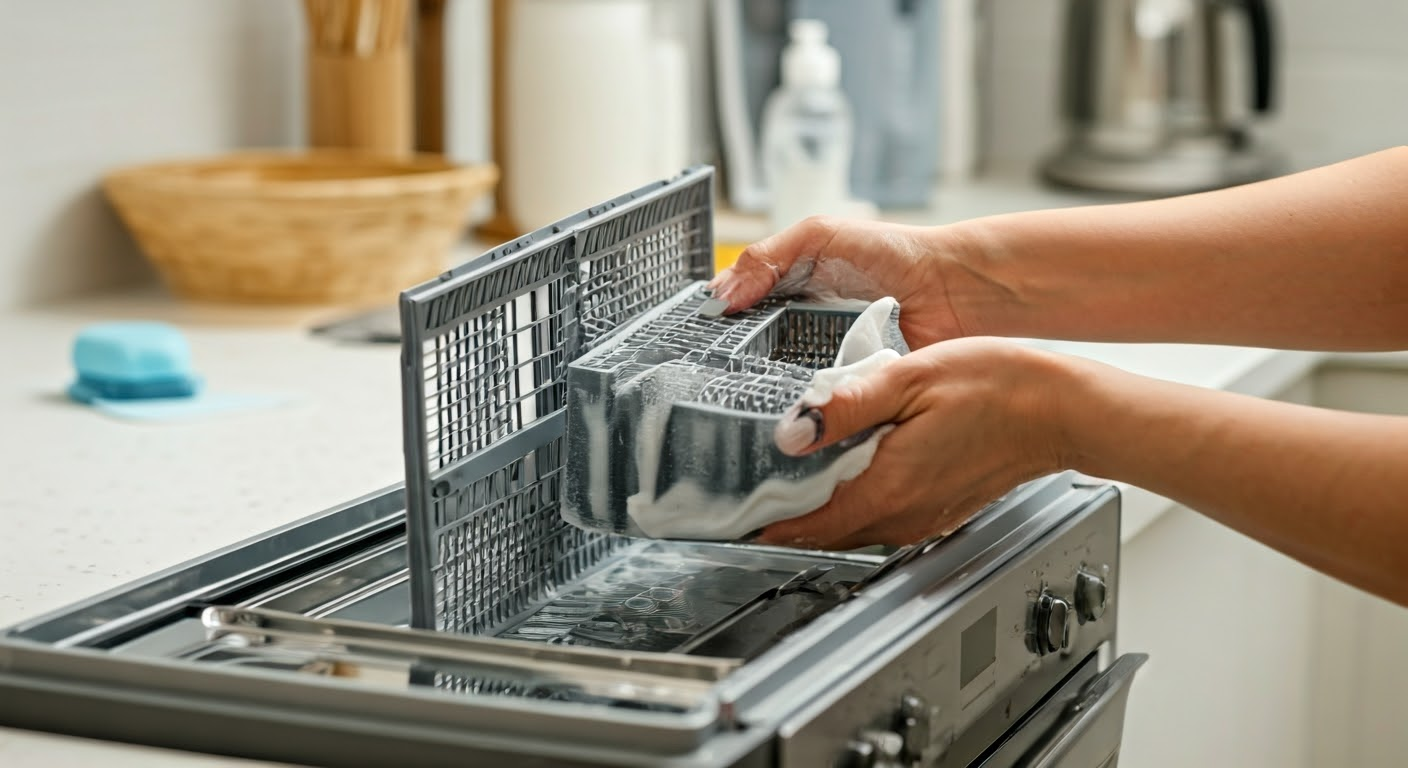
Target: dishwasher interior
<point>457,619</point>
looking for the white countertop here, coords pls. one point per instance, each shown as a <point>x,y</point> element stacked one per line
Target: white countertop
<point>90,503</point>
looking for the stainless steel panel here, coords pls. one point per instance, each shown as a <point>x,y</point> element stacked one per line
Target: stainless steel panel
<point>323,720</point>
<point>1081,725</point>
<point>957,696</point>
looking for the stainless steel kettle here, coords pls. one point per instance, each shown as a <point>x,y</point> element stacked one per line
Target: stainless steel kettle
<point>1160,96</point>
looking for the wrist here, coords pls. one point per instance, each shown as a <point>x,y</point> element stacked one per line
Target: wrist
<point>1042,396</point>
<point>1071,396</point>
<point>1090,418</point>
<point>972,259</point>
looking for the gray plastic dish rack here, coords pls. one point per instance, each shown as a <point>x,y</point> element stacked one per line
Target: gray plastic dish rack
<point>683,400</point>
<point>485,351</point>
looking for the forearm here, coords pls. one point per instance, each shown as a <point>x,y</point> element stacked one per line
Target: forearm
<point>1324,487</point>
<point>1313,260</point>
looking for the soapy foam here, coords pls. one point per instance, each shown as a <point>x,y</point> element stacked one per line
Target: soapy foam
<point>827,280</point>
<point>599,438</point>
<point>689,512</point>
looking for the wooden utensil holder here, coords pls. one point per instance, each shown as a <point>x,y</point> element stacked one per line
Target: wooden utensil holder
<point>361,101</point>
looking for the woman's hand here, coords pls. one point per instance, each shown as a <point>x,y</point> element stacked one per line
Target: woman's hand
<point>833,258</point>
<point>973,418</point>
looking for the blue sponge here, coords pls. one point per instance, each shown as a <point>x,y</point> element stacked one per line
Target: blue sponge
<point>132,361</point>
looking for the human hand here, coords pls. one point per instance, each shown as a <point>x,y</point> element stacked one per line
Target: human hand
<point>973,418</point>
<point>829,258</point>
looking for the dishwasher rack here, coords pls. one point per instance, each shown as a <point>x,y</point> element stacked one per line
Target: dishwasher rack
<point>485,350</point>
<point>673,416</point>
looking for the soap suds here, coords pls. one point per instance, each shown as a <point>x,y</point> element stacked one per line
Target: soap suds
<point>599,438</point>
<point>687,511</point>
<point>827,280</point>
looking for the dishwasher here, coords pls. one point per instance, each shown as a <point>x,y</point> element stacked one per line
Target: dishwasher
<point>457,619</point>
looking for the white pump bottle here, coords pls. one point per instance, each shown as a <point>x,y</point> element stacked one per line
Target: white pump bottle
<point>806,140</point>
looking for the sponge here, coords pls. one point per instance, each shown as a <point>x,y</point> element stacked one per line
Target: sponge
<point>132,361</point>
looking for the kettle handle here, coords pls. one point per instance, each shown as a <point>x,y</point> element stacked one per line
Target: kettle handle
<point>1259,26</point>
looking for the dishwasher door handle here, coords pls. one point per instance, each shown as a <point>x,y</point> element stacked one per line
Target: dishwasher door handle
<point>1090,728</point>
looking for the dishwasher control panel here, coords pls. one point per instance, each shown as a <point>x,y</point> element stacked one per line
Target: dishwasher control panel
<point>968,673</point>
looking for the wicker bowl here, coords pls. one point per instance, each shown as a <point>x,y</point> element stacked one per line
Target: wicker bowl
<point>305,227</point>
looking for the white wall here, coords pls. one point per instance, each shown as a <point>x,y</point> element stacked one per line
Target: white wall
<point>1343,90</point>
<point>468,43</point>
<point>89,85</point>
<point>1227,624</point>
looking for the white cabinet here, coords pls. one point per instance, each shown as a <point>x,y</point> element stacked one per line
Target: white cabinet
<point>1361,651</point>
<point>1228,624</point>
<point>1256,660</point>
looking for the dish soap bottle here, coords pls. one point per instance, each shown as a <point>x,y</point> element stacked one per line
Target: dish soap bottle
<point>807,131</point>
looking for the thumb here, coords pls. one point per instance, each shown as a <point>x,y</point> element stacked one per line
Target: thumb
<point>765,263</point>
<point>853,408</point>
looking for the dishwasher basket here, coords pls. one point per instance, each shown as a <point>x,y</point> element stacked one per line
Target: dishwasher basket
<point>670,420</point>
<point>485,350</point>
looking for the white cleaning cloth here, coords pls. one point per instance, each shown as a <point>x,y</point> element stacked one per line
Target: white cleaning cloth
<point>686,511</point>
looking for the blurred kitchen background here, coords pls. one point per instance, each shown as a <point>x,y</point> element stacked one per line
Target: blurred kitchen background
<point>95,86</point>
<point>1257,661</point>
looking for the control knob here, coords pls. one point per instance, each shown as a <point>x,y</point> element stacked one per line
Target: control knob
<point>913,723</point>
<point>875,749</point>
<point>1090,596</point>
<point>1051,625</point>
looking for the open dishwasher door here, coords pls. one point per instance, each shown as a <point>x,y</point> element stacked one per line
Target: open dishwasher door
<point>294,646</point>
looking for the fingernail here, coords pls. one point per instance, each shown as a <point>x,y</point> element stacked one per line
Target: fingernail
<point>799,429</point>
<point>714,307</point>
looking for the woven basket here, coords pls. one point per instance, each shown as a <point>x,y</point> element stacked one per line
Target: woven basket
<point>322,226</point>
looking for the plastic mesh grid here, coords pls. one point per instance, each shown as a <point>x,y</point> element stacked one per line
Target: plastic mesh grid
<point>765,355</point>
<point>679,332</point>
<point>495,373</point>
<point>508,516</point>
<point>807,339</point>
<point>621,282</point>
<point>484,359</point>
<point>751,392</point>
